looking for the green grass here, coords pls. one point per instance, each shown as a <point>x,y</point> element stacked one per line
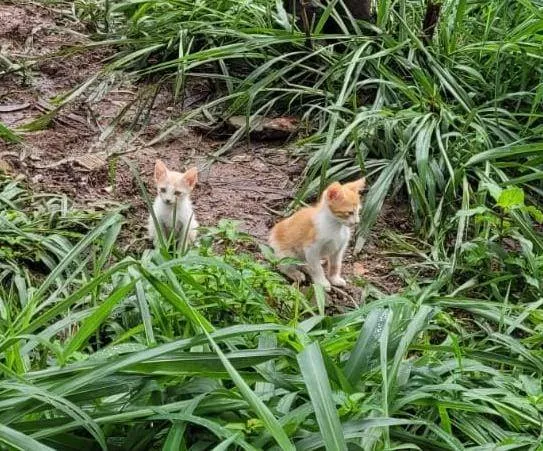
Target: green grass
<point>7,135</point>
<point>202,350</point>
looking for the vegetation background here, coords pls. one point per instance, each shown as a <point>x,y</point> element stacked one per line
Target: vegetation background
<point>438,103</point>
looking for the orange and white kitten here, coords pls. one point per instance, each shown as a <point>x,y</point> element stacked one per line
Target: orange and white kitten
<point>320,232</point>
<point>173,197</point>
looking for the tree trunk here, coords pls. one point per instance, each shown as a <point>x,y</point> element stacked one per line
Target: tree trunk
<point>360,9</point>
<point>431,18</point>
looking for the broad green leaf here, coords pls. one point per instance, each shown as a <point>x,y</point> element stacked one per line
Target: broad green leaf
<point>511,197</point>
<point>365,346</point>
<point>6,134</point>
<point>93,322</point>
<point>62,404</point>
<point>318,386</point>
<point>271,423</point>
<point>17,440</point>
<point>506,152</point>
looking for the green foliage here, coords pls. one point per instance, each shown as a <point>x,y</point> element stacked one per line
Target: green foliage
<point>499,252</point>
<point>204,349</point>
<point>511,198</point>
<point>422,118</point>
<point>7,135</point>
<point>200,349</point>
<point>37,230</point>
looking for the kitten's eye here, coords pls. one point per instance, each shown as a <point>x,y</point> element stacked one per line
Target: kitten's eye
<point>162,190</point>
<point>177,193</point>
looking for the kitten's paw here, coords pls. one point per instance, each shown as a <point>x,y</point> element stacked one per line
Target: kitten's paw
<point>297,276</point>
<point>338,281</point>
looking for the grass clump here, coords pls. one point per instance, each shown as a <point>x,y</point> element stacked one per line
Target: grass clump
<point>37,230</point>
<point>433,119</point>
<point>201,350</point>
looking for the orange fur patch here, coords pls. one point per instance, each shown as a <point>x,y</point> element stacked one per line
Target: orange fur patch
<point>342,200</point>
<point>293,234</point>
<point>290,236</point>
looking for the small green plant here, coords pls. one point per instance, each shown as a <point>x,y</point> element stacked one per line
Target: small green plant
<point>8,135</point>
<point>228,230</point>
<point>500,249</point>
<point>94,13</point>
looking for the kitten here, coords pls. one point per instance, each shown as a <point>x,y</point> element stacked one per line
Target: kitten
<point>173,197</point>
<point>320,231</point>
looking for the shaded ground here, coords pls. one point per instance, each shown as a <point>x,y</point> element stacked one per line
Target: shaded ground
<point>75,155</point>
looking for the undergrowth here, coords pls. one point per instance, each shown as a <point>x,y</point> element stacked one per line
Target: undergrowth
<point>214,350</point>
<point>434,120</point>
<point>206,350</point>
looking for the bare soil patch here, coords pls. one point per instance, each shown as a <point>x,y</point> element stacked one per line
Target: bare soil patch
<point>253,184</point>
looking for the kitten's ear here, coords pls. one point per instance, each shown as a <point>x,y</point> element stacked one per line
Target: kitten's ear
<point>191,177</point>
<point>160,171</point>
<point>357,186</point>
<point>334,192</point>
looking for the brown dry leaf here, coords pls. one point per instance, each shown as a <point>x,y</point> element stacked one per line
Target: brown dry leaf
<point>92,161</point>
<point>264,127</point>
<point>241,158</point>
<point>89,161</point>
<point>13,107</point>
<point>359,269</point>
<point>5,167</point>
<point>285,124</point>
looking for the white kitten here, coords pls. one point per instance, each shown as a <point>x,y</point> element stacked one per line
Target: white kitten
<point>173,198</point>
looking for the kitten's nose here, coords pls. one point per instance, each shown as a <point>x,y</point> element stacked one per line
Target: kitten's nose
<point>168,201</point>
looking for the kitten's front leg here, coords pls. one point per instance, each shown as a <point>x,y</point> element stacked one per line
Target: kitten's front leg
<point>193,231</point>
<point>186,236</point>
<point>314,267</point>
<point>192,236</point>
<point>151,230</point>
<point>334,268</point>
<point>292,273</point>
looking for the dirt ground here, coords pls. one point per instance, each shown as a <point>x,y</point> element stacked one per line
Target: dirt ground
<point>252,184</point>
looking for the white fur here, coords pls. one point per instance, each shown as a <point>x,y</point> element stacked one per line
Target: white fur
<point>332,238</point>
<point>332,233</point>
<point>184,215</point>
